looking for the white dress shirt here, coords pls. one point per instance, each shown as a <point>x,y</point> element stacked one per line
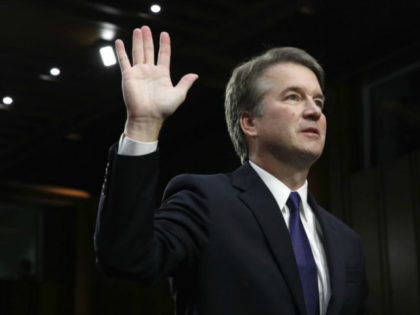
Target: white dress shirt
<point>311,225</point>
<point>132,147</point>
<point>281,193</point>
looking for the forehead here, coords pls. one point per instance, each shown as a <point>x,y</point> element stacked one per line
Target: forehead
<point>284,75</point>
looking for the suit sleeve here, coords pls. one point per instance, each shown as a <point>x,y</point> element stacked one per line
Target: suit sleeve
<point>134,239</point>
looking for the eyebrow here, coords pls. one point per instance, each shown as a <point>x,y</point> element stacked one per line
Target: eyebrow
<point>300,89</point>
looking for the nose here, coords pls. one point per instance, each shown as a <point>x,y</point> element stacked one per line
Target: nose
<point>312,110</point>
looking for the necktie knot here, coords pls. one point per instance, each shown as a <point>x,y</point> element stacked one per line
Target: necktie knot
<point>293,202</point>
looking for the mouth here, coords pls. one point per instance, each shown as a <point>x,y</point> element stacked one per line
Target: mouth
<point>311,131</point>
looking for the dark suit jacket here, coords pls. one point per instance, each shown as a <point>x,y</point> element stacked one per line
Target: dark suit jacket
<point>221,239</point>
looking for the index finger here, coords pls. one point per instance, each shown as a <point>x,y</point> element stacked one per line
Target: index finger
<point>122,55</point>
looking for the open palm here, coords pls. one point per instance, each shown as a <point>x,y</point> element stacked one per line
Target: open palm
<point>148,91</point>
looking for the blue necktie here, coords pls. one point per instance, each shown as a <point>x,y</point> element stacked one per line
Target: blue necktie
<point>304,258</point>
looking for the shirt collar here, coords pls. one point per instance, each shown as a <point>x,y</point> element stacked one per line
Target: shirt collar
<point>280,191</point>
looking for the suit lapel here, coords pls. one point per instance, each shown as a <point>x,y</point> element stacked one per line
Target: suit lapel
<point>335,257</point>
<point>260,201</point>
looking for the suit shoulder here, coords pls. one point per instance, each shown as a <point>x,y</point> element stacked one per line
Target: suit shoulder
<point>197,182</point>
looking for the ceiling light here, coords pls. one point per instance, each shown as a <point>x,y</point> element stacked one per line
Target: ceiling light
<point>108,56</point>
<point>107,34</point>
<point>107,31</point>
<point>155,8</point>
<point>7,100</point>
<point>55,71</point>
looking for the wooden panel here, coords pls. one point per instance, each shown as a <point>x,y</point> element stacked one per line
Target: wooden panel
<point>366,219</point>
<point>415,190</point>
<point>401,237</point>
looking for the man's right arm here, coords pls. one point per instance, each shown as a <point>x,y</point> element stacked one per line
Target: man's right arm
<point>125,232</point>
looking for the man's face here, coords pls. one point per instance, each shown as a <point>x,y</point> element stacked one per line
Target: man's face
<point>292,126</point>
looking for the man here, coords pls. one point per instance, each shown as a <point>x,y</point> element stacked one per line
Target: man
<point>249,242</point>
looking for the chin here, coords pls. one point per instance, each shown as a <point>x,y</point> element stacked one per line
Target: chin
<point>311,155</point>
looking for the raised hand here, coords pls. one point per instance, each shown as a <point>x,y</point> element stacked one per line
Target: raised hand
<point>148,91</point>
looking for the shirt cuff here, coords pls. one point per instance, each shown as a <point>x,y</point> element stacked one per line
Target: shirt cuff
<point>132,147</point>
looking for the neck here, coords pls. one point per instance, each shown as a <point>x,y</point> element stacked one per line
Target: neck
<point>292,175</point>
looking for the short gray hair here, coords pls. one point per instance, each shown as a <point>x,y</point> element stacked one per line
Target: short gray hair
<point>245,90</point>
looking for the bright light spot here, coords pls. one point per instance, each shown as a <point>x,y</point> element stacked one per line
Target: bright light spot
<point>107,34</point>
<point>108,56</point>
<point>155,8</point>
<point>55,71</point>
<point>7,100</point>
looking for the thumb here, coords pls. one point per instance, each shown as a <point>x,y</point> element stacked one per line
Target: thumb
<point>186,82</point>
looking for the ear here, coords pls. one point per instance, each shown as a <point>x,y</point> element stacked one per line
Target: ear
<point>247,121</point>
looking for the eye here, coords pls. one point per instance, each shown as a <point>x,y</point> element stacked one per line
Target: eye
<point>319,103</point>
<point>293,97</point>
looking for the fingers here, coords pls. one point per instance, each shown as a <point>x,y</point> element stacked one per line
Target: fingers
<point>186,82</point>
<point>164,57</point>
<point>138,49</point>
<point>149,51</point>
<point>122,55</point>
<point>143,49</point>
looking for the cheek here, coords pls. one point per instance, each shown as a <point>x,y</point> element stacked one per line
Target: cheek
<point>324,123</point>
<point>284,116</point>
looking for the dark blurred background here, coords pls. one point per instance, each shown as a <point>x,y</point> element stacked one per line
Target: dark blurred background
<point>55,134</point>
